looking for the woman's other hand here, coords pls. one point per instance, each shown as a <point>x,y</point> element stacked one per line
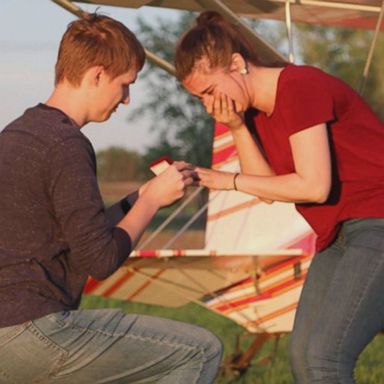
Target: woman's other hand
<point>215,179</point>
<point>221,180</point>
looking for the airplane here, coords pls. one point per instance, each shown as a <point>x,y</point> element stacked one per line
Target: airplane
<point>256,255</point>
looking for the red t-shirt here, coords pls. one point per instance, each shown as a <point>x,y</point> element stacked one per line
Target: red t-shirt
<point>307,96</point>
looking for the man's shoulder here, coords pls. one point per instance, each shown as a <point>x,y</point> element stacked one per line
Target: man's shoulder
<point>44,126</point>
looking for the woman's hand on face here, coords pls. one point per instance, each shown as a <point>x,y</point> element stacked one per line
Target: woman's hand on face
<point>223,109</point>
<point>215,179</point>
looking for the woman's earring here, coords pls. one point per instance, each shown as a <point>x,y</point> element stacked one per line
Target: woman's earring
<point>244,71</point>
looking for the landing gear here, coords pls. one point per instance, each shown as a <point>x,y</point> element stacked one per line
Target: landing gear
<point>237,364</point>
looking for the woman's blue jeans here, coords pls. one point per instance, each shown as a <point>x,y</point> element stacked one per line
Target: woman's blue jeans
<point>107,346</point>
<point>341,307</point>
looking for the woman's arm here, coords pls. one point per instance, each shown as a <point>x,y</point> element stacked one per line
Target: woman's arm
<point>251,159</point>
<point>311,181</point>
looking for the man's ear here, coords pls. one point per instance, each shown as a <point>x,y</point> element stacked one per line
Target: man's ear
<point>238,64</point>
<point>93,75</point>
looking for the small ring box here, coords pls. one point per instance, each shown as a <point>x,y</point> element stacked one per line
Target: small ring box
<point>160,165</point>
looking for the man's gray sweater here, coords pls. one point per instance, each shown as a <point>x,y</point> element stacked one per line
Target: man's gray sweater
<point>54,231</point>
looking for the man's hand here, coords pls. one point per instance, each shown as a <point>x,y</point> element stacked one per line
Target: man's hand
<point>170,185</point>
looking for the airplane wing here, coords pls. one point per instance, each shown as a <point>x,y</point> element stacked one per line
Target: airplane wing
<point>188,274</point>
<point>342,13</point>
<point>259,292</point>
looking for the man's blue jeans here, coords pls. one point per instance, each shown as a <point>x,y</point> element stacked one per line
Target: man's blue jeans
<point>341,308</point>
<point>107,346</point>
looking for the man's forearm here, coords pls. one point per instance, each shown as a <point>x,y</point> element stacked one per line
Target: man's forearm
<point>117,211</point>
<point>138,218</point>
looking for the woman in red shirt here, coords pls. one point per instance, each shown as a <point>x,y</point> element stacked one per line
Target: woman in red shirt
<point>322,149</point>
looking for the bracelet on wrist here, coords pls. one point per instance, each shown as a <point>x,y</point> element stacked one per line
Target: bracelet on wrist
<point>234,180</point>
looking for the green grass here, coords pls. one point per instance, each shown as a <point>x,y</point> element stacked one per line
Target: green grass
<point>370,368</point>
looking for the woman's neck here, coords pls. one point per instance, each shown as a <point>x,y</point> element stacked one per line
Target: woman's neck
<point>263,82</point>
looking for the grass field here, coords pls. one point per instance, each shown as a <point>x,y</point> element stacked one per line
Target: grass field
<point>370,369</point>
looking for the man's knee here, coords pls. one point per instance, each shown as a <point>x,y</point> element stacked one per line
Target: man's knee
<point>212,345</point>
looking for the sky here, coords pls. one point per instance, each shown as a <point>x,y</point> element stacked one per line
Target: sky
<point>30,32</point>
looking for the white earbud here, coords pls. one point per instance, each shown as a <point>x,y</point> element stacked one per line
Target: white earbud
<point>244,71</point>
